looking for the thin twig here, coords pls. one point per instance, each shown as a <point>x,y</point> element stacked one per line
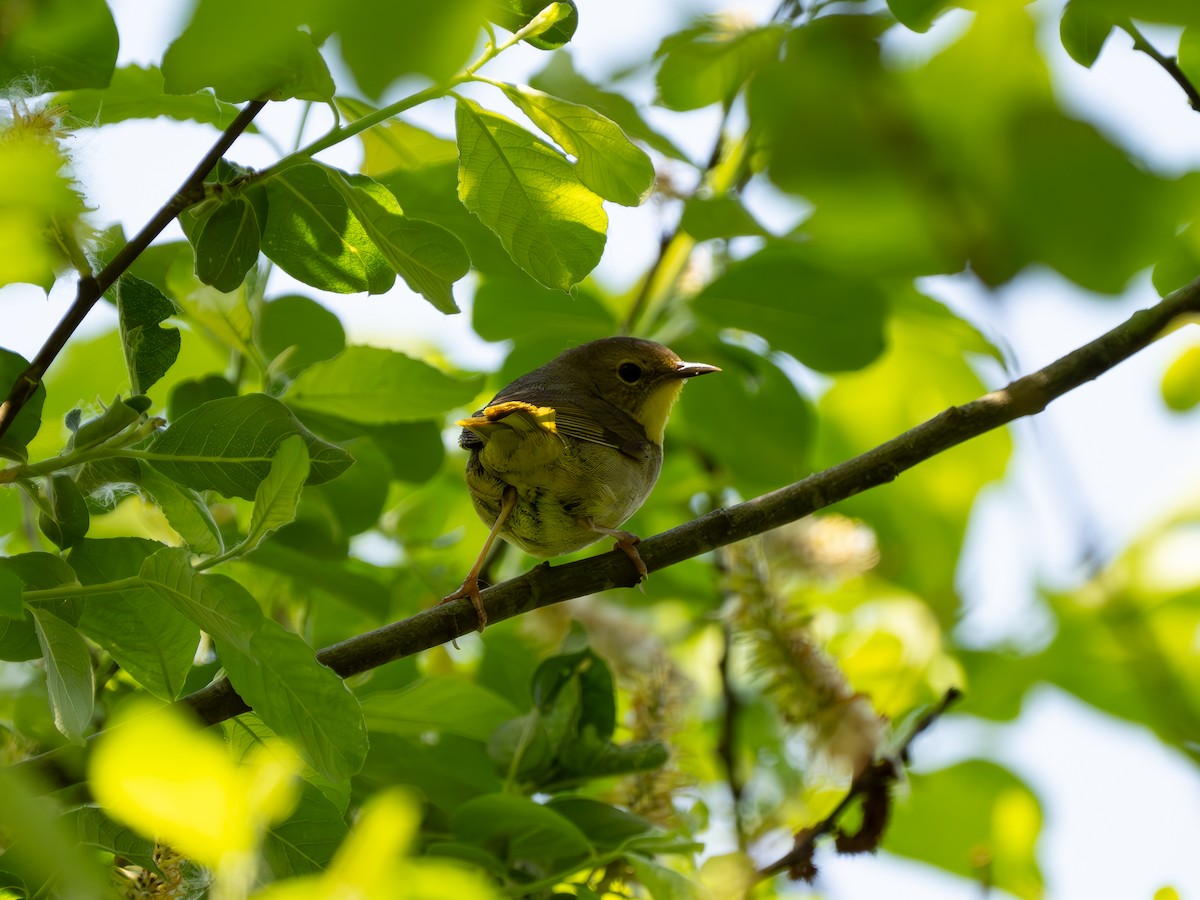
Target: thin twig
<point>871,780</point>
<point>1169,63</point>
<point>89,289</point>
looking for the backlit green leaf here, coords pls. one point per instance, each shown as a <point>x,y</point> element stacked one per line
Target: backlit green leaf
<point>69,677</point>
<point>709,62</point>
<point>185,510</point>
<point>396,144</point>
<point>136,92</point>
<point>64,43</point>
<point>29,419</point>
<point>303,329</point>
<point>312,235</point>
<point>516,14</point>
<point>1083,33</point>
<point>428,257</point>
<point>606,160</point>
<point>150,349</point>
<point>277,495</point>
<point>1181,381</point>
<point>549,222</point>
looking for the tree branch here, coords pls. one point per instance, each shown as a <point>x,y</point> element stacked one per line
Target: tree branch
<point>545,585</point>
<point>1169,64</point>
<point>875,781</point>
<point>90,289</point>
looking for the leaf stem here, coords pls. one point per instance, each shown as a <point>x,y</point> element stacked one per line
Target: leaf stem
<point>1168,63</point>
<point>84,590</point>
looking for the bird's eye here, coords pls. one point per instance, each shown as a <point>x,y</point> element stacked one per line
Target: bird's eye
<point>629,372</point>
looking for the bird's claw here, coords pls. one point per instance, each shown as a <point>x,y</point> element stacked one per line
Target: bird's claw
<point>470,590</point>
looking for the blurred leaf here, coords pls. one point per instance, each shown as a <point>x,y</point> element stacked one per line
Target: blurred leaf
<point>522,189</point>
<point>437,704</point>
<point>706,218</point>
<point>10,595</point>
<point>428,257</point>
<point>69,678</point>
<point>136,92</point>
<point>976,820</point>
<point>247,52</point>
<point>150,349</point>
<point>376,386</point>
<point>916,15</point>
<point>1169,12</point>
<point>1188,56</point>
<point>827,320</point>
<point>502,304</point>
<point>516,828</point>
<point>1181,381</point>
<point>37,202</point>
<point>664,883</point>
<point>1179,263</point>
<point>227,445</point>
<point>302,326</point>
<point>516,14</point>
<point>189,393</point>
<point>313,236</point>
<point>606,160</point>
<point>64,519</point>
<point>1083,33</point>
<point>710,61</point>
<point>29,419</point>
<point>149,639</point>
<point>382,41</point>
<point>396,144</point>
<point>63,43</point>
<point>223,317</point>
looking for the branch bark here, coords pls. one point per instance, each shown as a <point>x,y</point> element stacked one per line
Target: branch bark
<point>91,289</point>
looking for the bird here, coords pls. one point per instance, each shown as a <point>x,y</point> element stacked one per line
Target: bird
<point>563,455</point>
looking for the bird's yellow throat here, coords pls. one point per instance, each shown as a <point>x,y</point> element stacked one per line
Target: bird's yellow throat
<point>657,409</point>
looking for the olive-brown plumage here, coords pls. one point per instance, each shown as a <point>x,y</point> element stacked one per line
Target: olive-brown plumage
<point>562,456</point>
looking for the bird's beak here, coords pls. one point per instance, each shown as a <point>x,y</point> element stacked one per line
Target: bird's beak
<point>692,370</point>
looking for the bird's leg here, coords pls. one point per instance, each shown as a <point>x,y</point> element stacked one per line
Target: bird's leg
<point>470,585</point>
<point>626,541</point>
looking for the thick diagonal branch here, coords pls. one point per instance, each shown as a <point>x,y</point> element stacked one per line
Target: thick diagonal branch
<point>545,584</point>
<point>89,290</point>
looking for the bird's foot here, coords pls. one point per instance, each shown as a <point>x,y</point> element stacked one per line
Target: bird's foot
<point>470,589</point>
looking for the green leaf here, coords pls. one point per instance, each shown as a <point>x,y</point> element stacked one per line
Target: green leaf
<point>916,15</point>
<point>313,236</point>
<point>277,495</point>
<point>382,41</point>
<point>150,350</point>
<point>305,841</point>
<point>516,828</point>
<point>65,517</point>
<point>552,226</point>
<point>149,639</point>
<point>273,670</point>
<point>185,510</point>
<point>63,43</point>
<point>828,320</point>
<point>227,243</point>
<point>376,386</point>
<point>560,79</point>
<point>663,883</point>
<point>606,827</point>
<point>225,318</point>
<point>10,595</point>
<point>706,218</point>
<point>438,704</point>
<point>516,14</point>
<point>136,92</point>
<point>227,446</point>
<point>607,161</point>
<point>115,418</point>
<point>709,62</point>
<point>428,257</point>
<point>1168,12</point>
<point>1083,33</point>
<point>29,419</point>
<point>69,677</point>
<point>94,829</point>
<point>247,52</point>
<point>303,329</point>
<point>37,202</point>
<point>189,393</point>
<point>1188,56</point>
<point>1181,381</point>
<point>992,829</point>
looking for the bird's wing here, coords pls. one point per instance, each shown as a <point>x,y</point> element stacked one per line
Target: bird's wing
<point>604,426</point>
<point>513,414</point>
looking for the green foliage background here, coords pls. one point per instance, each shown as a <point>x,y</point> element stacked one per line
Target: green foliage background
<point>226,471</point>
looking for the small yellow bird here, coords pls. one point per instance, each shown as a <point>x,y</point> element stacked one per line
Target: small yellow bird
<point>564,455</point>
